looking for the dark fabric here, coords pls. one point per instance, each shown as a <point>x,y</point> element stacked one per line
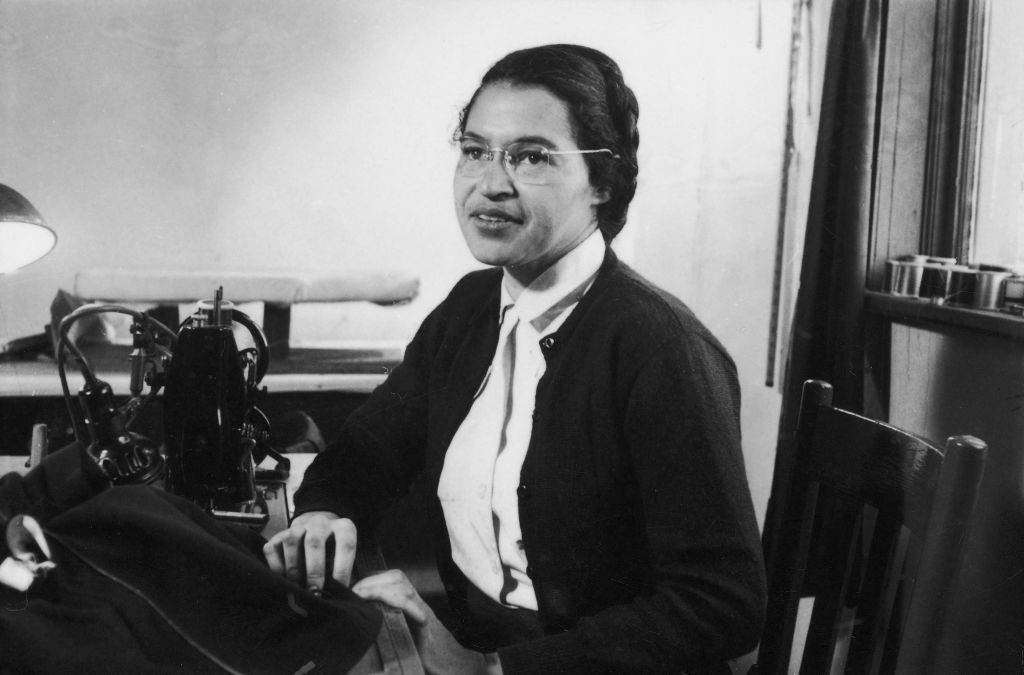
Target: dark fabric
<point>828,326</point>
<point>490,625</point>
<point>147,582</point>
<point>636,516</point>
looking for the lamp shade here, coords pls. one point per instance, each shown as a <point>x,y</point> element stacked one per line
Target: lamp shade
<point>24,237</point>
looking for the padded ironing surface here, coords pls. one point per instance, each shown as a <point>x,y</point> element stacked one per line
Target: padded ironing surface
<point>182,286</point>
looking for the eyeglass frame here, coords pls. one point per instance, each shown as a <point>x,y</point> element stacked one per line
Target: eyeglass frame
<point>506,158</point>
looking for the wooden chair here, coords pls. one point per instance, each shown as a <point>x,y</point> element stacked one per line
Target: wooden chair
<point>873,526</point>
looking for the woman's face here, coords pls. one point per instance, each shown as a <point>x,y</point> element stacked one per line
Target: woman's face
<point>524,228</point>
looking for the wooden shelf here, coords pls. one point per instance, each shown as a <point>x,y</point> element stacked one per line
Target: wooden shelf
<point>918,312</point>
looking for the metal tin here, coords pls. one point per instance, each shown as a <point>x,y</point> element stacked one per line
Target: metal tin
<point>935,281</point>
<point>962,283</point>
<point>989,289</point>
<point>903,277</point>
<point>1013,291</point>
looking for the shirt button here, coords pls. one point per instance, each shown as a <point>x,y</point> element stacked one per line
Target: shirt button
<point>548,342</point>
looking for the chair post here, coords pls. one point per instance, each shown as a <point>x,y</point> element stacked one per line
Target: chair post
<point>942,552</point>
<point>783,569</point>
<point>816,394</point>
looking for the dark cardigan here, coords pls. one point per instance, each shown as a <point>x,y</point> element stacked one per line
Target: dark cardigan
<point>635,512</point>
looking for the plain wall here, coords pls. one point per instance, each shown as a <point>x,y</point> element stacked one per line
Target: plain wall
<point>314,135</point>
<point>953,382</point>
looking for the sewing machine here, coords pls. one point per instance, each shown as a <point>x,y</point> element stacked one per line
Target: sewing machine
<point>214,431</point>
<point>216,441</point>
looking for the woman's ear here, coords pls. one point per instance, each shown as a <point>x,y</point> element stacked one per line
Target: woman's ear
<point>603,194</point>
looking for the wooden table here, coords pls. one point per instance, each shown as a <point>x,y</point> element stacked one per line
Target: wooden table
<point>327,384</point>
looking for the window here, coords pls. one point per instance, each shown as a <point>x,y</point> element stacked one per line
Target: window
<point>998,236</point>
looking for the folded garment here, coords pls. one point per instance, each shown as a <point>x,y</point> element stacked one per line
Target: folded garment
<point>147,582</point>
<point>181,286</point>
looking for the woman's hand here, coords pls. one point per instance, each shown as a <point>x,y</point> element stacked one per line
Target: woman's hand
<point>438,648</point>
<point>301,553</point>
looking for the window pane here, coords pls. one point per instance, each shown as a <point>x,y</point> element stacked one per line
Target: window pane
<point>999,231</point>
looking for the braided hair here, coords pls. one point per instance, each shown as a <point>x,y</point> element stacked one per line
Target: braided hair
<point>602,114</point>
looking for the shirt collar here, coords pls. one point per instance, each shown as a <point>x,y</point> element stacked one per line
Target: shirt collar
<point>559,286</point>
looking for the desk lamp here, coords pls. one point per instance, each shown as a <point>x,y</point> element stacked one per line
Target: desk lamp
<point>25,237</point>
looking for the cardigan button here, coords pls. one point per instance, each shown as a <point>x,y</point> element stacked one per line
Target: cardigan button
<point>523,492</point>
<point>547,342</point>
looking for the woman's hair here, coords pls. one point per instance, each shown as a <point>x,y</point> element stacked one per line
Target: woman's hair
<point>602,114</point>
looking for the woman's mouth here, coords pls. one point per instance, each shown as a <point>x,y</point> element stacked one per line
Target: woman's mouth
<point>495,221</point>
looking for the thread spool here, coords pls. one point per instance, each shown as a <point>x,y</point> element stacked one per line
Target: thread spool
<point>903,277</point>
<point>1013,295</point>
<point>935,282</point>
<point>962,283</point>
<point>989,289</point>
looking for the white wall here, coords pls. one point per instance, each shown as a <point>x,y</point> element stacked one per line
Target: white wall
<point>313,134</point>
<point>953,381</point>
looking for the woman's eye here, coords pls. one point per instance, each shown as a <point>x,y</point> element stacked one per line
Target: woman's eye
<point>531,157</point>
<point>472,152</point>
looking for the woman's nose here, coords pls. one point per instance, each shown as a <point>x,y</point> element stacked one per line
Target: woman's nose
<point>495,179</point>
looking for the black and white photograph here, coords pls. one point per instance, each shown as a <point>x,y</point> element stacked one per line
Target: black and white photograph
<point>489,337</point>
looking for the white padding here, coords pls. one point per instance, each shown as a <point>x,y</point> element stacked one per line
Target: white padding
<point>14,574</point>
<point>181,286</point>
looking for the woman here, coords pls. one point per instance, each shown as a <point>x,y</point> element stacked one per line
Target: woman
<point>579,426</point>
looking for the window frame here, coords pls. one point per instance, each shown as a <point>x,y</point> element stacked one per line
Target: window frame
<point>946,191</point>
<point>923,202</point>
<point>957,99</point>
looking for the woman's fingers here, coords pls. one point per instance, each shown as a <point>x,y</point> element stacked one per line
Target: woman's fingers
<point>438,649</point>
<point>273,555</point>
<point>301,552</point>
<point>314,554</point>
<point>394,589</point>
<point>291,545</point>
<point>345,541</point>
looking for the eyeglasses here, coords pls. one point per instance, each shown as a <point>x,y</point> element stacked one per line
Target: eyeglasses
<point>527,163</point>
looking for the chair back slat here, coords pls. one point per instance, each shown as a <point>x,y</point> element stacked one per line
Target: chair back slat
<point>874,462</point>
<point>866,504</point>
<point>830,617</point>
<point>879,587</point>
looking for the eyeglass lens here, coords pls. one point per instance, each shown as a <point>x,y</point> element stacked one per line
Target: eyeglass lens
<point>527,163</point>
